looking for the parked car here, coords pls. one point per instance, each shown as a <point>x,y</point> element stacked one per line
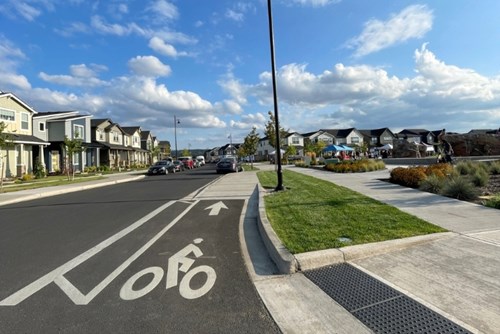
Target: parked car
<point>161,167</point>
<point>230,164</point>
<point>179,166</point>
<point>188,162</point>
<point>201,160</point>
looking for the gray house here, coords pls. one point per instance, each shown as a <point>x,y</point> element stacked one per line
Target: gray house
<point>54,127</point>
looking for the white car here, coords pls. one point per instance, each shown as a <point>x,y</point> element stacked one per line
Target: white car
<point>201,160</point>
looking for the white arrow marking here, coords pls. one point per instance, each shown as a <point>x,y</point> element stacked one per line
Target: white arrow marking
<point>215,208</point>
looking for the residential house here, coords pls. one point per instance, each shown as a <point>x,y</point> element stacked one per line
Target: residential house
<point>264,148</point>
<point>19,159</point>
<point>212,155</point>
<point>164,149</point>
<point>294,139</point>
<point>133,139</point>
<point>229,149</point>
<point>350,136</point>
<point>109,138</point>
<point>54,127</point>
<point>378,137</point>
<point>148,144</point>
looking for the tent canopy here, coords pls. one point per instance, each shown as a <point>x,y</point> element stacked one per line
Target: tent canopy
<point>347,148</point>
<point>386,147</point>
<point>334,148</point>
<point>274,152</point>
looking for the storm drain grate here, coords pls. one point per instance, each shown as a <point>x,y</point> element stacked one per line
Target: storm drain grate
<point>378,306</point>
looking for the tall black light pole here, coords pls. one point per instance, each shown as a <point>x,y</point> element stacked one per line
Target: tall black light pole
<point>275,98</point>
<point>176,121</point>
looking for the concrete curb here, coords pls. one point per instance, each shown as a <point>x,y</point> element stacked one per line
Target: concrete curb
<point>287,263</point>
<point>68,190</point>
<point>284,260</point>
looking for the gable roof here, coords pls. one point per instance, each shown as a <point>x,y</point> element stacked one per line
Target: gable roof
<point>130,130</point>
<point>339,133</point>
<point>18,100</point>
<point>375,132</point>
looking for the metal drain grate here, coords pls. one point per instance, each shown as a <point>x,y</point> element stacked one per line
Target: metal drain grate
<point>378,306</point>
<point>350,287</point>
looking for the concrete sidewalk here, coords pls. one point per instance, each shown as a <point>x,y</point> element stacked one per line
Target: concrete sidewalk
<point>456,274</point>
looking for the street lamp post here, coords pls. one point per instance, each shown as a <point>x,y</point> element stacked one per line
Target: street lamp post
<point>275,97</point>
<point>176,121</point>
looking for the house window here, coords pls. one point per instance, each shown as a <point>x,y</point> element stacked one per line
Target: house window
<point>295,141</point>
<point>41,126</point>
<point>115,137</point>
<point>374,140</point>
<point>100,135</point>
<point>25,121</point>
<point>354,140</point>
<point>78,131</point>
<point>7,115</point>
<point>388,138</point>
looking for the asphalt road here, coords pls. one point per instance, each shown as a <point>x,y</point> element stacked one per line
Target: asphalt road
<point>128,258</point>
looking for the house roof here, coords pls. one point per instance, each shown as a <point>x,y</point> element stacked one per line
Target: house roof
<point>413,132</point>
<point>27,139</point>
<point>18,100</point>
<point>342,133</point>
<point>374,132</point>
<point>130,130</point>
<point>98,121</point>
<point>55,114</point>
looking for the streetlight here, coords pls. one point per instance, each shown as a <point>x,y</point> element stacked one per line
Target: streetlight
<point>176,121</point>
<point>275,97</point>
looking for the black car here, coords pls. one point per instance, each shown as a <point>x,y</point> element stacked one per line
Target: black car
<point>162,167</point>
<point>229,164</point>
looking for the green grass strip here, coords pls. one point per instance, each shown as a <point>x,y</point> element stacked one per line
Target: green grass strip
<point>313,214</point>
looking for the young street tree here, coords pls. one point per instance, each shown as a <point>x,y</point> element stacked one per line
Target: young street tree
<point>270,131</point>
<point>5,142</point>
<point>72,147</point>
<point>250,144</point>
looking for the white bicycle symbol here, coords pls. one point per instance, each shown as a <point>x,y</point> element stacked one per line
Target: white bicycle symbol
<point>177,262</point>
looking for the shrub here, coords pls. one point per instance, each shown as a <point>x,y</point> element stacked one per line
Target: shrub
<point>459,188</point>
<point>495,167</point>
<point>27,177</point>
<point>433,184</point>
<point>480,178</point>
<point>356,166</point>
<point>408,177</point>
<point>493,202</point>
<point>439,170</point>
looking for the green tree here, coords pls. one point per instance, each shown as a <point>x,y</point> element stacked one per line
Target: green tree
<point>249,147</point>
<point>5,143</point>
<point>270,131</point>
<point>71,147</point>
<point>290,150</point>
<point>185,153</point>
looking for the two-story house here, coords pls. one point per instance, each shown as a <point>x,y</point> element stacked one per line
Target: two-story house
<point>133,139</point>
<point>54,127</point>
<point>350,136</point>
<point>378,137</point>
<point>296,140</point>
<point>109,137</point>
<point>19,157</point>
<point>264,148</point>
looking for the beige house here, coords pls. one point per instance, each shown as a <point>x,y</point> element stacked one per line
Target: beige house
<point>19,158</point>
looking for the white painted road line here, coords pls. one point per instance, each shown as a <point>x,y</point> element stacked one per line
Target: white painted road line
<point>73,293</point>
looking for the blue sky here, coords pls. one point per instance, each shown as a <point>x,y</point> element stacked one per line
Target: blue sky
<point>340,63</point>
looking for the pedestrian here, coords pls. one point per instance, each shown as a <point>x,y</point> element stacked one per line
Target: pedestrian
<point>448,151</point>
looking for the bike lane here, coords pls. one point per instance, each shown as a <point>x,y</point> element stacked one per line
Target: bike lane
<point>185,275</point>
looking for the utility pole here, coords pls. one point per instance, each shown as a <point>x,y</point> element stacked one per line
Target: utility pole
<point>176,121</point>
<point>280,186</point>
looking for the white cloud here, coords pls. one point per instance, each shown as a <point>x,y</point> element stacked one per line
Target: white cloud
<point>228,107</point>
<point>358,95</point>
<point>16,81</point>
<point>69,80</point>
<point>158,45</point>
<point>164,10</point>
<point>85,71</point>
<point>149,66</point>
<point>313,3</point>
<point>103,27</point>
<point>234,88</point>
<point>412,22</point>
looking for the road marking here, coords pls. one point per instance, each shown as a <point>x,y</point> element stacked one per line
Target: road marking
<point>71,291</point>
<point>215,208</point>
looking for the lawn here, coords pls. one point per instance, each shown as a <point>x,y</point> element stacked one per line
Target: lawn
<point>49,181</point>
<point>313,214</point>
